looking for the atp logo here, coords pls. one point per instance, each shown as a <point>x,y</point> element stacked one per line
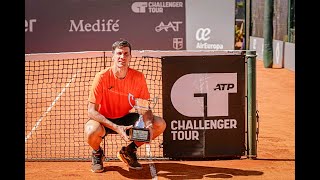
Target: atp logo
<point>203,94</point>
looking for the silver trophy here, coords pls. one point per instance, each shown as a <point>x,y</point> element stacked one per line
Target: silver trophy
<point>141,132</point>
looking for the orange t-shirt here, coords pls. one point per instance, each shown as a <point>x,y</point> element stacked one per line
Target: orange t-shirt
<point>112,93</point>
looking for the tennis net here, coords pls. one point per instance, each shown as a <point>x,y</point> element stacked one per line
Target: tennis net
<point>56,93</point>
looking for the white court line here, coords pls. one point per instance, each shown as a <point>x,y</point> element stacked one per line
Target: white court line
<point>50,107</point>
<point>153,170</point>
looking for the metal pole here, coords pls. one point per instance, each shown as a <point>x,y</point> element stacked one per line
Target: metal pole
<point>268,34</point>
<point>289,21</point>
<point>251,90</point>
<point>248,24</point>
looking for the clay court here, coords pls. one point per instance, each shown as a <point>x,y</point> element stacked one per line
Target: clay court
<point>275,146</point>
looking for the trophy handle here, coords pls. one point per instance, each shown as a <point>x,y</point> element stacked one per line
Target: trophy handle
<point>155,100</point>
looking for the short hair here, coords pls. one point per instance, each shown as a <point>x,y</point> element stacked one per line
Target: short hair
<point>120,44</point>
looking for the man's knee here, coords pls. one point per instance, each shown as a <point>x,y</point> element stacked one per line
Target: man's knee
<point>159,124</point>
<point>93,128</point>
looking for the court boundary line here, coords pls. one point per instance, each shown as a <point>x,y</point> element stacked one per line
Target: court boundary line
<point>50,107</point>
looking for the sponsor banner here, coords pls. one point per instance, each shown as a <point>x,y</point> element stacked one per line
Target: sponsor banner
<point>289,56</point>
<point>204,105</point>
<point>257,44</point>
<point>74,25</point>
<point>210,24</point>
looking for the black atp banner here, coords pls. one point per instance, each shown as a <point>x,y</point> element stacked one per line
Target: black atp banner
<point>204,106</point>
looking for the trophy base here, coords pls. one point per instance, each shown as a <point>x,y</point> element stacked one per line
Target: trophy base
<point>139,134</point>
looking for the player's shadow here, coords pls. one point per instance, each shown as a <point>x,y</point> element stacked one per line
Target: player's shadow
<point>182,171</point>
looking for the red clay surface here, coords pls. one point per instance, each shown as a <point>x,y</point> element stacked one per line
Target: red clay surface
<point>275,146</point>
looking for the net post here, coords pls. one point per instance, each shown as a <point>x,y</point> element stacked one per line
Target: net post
<point>251,90</point>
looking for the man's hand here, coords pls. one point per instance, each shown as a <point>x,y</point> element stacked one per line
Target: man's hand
<point>121,130</point>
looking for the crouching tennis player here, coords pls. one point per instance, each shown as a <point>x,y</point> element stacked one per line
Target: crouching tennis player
<point>109,108</point>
